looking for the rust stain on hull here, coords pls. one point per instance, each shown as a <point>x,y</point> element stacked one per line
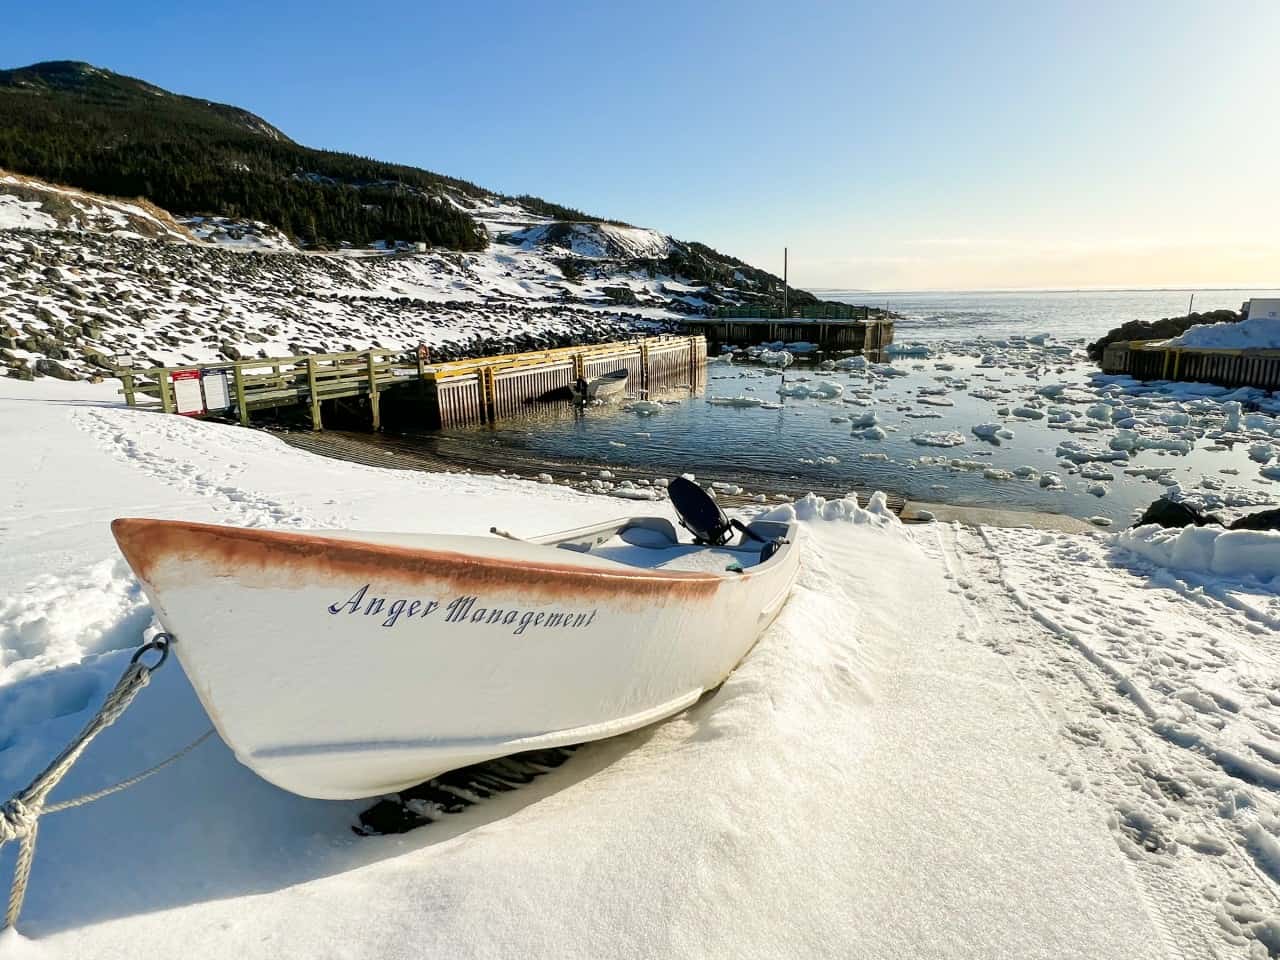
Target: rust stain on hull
<point>148,545</point>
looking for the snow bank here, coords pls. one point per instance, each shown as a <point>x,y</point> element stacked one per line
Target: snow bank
<point>1256,333</point>
<point>1235,553</point>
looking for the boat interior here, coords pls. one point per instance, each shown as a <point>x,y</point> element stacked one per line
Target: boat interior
<point>719,544</point>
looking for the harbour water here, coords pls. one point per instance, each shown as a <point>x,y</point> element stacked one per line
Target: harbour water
<point>815,441</point>
<point>940,315</point>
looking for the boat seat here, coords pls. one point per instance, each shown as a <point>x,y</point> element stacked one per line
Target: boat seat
<point>699,513</point>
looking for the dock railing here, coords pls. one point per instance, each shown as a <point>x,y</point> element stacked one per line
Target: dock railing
<point>271,382</point>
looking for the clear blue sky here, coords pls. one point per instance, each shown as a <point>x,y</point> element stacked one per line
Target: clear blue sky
<point>922,145</point>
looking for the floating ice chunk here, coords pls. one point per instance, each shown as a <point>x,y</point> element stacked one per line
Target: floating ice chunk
<point>729,488</point>
<point>827,390</point>
<point>1098,489</point>
<point>1051,481</point>
<point>992,432</point>
<point>1078,452</point>
<point>941,438</point>
<point>643,407</point>
<point>798,390</point>
<point>1149,473</point>
<point>735,401</point>
<point>872,433</point>
<point>1132,440</point>
<point>775,358</point>
<point>870,457</point>
<point>993,473</point>
<point>545,478</point>
<point>616,443</point>
<point>1100,521</point>
<point>1100,411</point>
<point>851,363</point>
<point>1232,411</point>
<point>1091,471</point>
<point>908,350</point>
<point>1025,472</point>
<point>606,474</point>
<point>867,419</point>
<point>1028,413</point>
<point>1261,452</point>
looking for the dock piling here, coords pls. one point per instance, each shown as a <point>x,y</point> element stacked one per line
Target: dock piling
<point>314,396</point>
<point>373,391</point>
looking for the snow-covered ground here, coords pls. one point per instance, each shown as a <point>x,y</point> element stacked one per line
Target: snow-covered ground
<point>954,742</point>
<point>239,234</point>
<point>1255,333</point>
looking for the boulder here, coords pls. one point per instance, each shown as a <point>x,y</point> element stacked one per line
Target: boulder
<point>52,368</point>
<point>1262,520</point>
<point>1166,513</point>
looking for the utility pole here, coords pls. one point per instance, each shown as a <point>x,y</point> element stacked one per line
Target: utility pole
<point>786,312</point>
<point>1191,304</point>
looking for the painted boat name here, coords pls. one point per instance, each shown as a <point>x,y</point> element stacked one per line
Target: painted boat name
<point>459,610</point>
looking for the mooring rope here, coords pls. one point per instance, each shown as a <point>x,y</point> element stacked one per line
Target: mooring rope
<point>20,816</point>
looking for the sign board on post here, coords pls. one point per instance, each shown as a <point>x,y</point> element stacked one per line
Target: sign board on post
<point>216,394</point>
<point>187,398</point>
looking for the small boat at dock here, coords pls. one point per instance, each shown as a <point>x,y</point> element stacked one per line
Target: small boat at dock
<point>341,664</point>
<point>611,384</point>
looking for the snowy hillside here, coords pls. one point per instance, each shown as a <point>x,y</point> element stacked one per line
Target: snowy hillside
<point>595,240</point>
<point>239,234</point>
<point>84,279</point>
<point>30,204</point>
<point>957,742</point>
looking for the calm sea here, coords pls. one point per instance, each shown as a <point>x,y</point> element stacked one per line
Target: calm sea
<point>940,315</point>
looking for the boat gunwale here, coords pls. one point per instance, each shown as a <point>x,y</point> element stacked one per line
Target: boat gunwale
<point>147,543</point>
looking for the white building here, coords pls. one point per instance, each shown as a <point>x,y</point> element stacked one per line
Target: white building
<point>1269,308</point>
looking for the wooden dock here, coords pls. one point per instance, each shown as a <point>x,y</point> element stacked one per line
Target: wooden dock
<point>247,386</point>
<point>833,334</point>
<point>388,382</point>
<point>1150,360</point>
<point>491,388</point>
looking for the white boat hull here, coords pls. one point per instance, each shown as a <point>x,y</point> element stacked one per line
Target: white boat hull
<point>342,665</point>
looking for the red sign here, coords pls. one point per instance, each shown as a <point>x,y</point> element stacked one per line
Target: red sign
<point>187,396</point>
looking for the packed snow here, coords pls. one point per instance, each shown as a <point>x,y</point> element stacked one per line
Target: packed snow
<point>954,741</point>
<point>1255,333</point>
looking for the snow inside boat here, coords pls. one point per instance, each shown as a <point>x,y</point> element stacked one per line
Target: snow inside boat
<point>343,665</point>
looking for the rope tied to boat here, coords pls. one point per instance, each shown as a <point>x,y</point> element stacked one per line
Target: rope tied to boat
<point>20,815</point>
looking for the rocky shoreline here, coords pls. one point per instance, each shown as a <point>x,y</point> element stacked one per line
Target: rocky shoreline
<point>70,303</point>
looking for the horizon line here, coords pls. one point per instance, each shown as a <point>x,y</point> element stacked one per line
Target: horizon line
<point>1247,288</point>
